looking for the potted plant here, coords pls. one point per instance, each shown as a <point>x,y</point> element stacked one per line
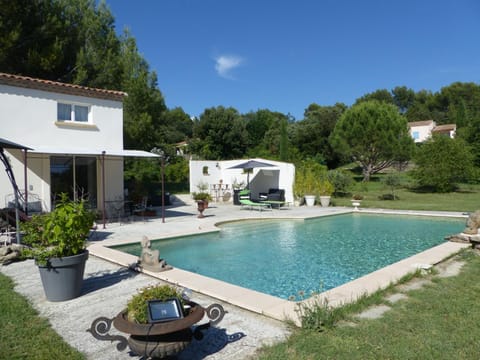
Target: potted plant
<point>57,242</point>
<point>202,194</point>
<point>356,200</point>
<point>202,199</point>
<point>158,338</point>
<point>326,190</point>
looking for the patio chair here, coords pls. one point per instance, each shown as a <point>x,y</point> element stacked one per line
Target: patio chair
<point>244,198</point>
<point>140,209</point>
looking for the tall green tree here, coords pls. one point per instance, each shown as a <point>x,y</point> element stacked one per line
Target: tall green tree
<point>311,135</point>
<point>176,126</point>
<point>219,134</point>
<point>38,38</point>
<point>422,107</point>
<point>373,134</point>
<point>144,105</point>
<point>403,98</point>
<point>442,162</point>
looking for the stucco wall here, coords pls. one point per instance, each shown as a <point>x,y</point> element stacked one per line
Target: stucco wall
<point>424,132</point>
<point>29,117</point>
<point>280,176</point>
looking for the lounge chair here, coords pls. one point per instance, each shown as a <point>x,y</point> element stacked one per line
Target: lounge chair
<point>244,198</point>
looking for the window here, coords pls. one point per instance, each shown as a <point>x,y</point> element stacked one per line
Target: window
<point>72,112</point>
<point>416,135</point>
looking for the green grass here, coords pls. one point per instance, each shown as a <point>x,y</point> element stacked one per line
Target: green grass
<point>466,199</point>
<point>439,321</point>
<point>24,334</point>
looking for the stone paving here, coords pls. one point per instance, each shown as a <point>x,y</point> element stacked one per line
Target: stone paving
<point>107,288</point>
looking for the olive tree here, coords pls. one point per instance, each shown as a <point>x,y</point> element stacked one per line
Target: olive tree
<point>374,134</point>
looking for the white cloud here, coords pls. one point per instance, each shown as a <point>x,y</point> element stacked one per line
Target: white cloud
<point>224,64</point>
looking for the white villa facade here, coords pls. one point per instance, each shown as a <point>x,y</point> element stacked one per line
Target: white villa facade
<point>75,135</point>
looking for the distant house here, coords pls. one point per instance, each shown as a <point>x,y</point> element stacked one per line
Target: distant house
<point>181,149</point>
<point>423,130</point>
<point>75,136</point>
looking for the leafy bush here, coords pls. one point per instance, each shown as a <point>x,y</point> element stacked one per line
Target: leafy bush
<point>137,308</point>
<point>62,232</point>
<point>340,180</point>
<point>309,178</point>
<point>388,197</point>
<point>201,196</point>
<point>442,163</point>
<point>318,316</point>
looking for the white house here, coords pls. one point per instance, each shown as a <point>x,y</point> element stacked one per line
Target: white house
<point>220,178</point>
<point>422,130</point>
<point>75,134</point>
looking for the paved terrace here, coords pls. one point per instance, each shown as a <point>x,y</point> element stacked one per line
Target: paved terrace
<point>254,317</point>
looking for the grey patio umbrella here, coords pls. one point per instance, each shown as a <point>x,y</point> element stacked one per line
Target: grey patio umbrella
<point>249,165</point>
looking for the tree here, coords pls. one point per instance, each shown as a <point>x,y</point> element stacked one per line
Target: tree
<point>403,98</point>
<point>442,163</point>
<point>311,135</point>
<point>144,106</point>
<point>382,95</point>
<point>373,134</point>
<point>219,134</point>
<point>268,134</point>
<point>176,126</point>
<point>33,41</point>
<point>421,107</point>
<point>392,181</point>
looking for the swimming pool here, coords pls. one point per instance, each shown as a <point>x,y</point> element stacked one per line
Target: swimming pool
<point>284,257</point>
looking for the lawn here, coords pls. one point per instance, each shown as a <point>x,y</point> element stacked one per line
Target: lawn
<point>25,335</point>
<point>466,199</point>
<point>438,321</point>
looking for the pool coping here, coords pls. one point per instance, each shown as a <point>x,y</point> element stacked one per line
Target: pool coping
<point>275,307</point>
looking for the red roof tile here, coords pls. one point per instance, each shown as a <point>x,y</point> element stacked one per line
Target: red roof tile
<point>58,87</point>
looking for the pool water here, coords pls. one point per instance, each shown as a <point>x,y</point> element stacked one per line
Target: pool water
<point>286,257</point>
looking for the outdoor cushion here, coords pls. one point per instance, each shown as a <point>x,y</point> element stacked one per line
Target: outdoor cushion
<point>276,195</point>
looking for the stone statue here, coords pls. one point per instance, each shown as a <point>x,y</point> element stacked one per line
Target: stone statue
<point>473,223</point>
<point>470,233</point>
<point>150,258</point>
<point>10,253</point>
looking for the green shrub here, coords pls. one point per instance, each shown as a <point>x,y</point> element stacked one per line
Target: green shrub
<point>340,180</point>
<point>137,308</point>
<point>62,232</point>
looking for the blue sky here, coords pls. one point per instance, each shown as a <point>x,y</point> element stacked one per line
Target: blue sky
<point>284,55</point>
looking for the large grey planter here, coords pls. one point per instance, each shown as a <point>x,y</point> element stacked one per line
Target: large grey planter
<point>62,278</point>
